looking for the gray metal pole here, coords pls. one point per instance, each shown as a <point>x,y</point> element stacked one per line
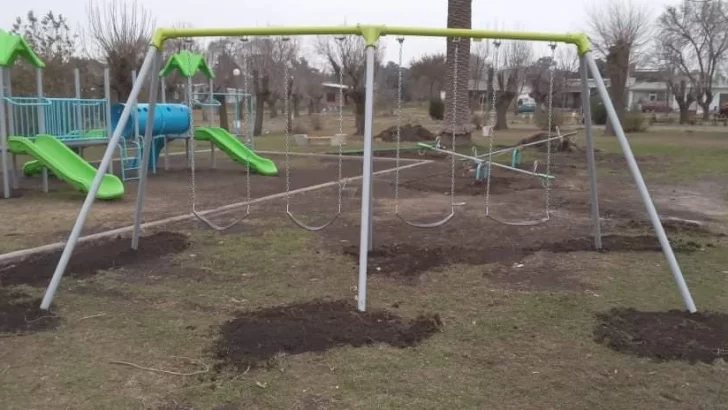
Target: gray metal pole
<point>136,107</point>
<point>91,196</point>
<point>371,198</point>
<point>146,151</point>
<point>590,160</point>
<point>41,120</point>
<point>4,137</point>
<point>107,96</point>
<point>163,85</point>
<point>641,186</point>
<point>366,182</point>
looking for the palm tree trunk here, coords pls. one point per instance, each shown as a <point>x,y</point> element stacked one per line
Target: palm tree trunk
<point>457,119</point>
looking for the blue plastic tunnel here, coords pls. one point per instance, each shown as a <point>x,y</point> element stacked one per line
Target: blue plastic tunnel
<point>169,119</point>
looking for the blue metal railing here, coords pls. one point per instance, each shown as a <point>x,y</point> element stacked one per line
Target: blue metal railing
<point>65,118</point>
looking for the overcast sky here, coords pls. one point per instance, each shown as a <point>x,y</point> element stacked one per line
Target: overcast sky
<point>531,15</point>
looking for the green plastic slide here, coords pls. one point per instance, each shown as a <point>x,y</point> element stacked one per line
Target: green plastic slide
<point>66,164</point>
<point>236,149</point>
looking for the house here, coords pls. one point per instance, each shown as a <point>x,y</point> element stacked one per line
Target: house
<point>332,92</point>
<point>645,92</point>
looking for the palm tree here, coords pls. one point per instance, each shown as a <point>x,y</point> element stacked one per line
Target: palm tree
<point>459,15</point>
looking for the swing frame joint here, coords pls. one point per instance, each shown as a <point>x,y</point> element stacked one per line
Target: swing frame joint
<point>371,34</point>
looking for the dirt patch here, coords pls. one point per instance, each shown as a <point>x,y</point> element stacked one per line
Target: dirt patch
<point>408,132</point>
<point>405,260</point>
<point>313,402</point>
<point>540,275</point>
<point>466,184</point>
<point>254,338</point>
<point>617,243</point>
<point>92,257</point>
<point>21,314</point>
<point>672,335</point>
<point>174,406</point>
<point>673,226</point>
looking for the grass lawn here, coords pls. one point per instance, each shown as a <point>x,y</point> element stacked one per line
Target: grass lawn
<point>474,315</point>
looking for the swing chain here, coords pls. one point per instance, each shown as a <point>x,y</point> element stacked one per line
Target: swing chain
<point>491,122</point>
<point>399,126</point>
<point>244,123</point>
<point>552,69</point>
<point>455,81</point>
<point>342,183</point>
<point>191,145</point>
<point>399,138</point>
<point>285,112</point>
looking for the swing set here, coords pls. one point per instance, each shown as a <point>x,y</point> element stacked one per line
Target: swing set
<point>371,36</point>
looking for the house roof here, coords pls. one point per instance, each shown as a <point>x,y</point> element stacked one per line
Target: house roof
<point>188,64</point>
<point>13,46</point>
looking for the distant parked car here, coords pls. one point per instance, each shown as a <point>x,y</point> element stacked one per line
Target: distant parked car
<point>525,104</point>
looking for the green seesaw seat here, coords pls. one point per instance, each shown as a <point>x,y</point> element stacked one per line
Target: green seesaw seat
<point>66,164</point>
<point>236,150</point>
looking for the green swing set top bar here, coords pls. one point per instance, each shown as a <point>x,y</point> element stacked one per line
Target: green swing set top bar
<point>371,34</point>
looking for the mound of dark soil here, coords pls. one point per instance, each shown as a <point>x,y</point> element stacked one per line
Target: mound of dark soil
<point>19,313</point>
<point>405,260</point>
<point>408,132</point>
<point>672,335</point>
<point>616,243</point>
<point>90,258</point>
<point>564,145</point>
<point>254,338</point>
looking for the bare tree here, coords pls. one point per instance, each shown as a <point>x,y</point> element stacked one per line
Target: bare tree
<point>222,55</point>
<point>567,59</point>
<point>515,56</point>
<point>567,70</point>
<point>348,55</point>
<point>428,72</point>
<point>308,86</point>
<point>52,39</point>
<point>619,28</point>
<point>692,44</point>
<point>538,76</point>
<point>120,31</point>
<point>457,115</point>
<point>479,60</point>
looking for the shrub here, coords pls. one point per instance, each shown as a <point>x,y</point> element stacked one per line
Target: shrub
<point>316,122</point>
<point>437,109</point>
<point>634,122</point>
<point>598,112</point>
<point>557,120</point>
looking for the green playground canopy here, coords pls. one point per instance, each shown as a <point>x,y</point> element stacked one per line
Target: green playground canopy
<point>13,46</point>
<point>188,64</point>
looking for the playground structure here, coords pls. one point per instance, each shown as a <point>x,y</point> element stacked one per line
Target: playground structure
<point>45,127</point>
<point>54,131</point>
<point>371,34</point>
